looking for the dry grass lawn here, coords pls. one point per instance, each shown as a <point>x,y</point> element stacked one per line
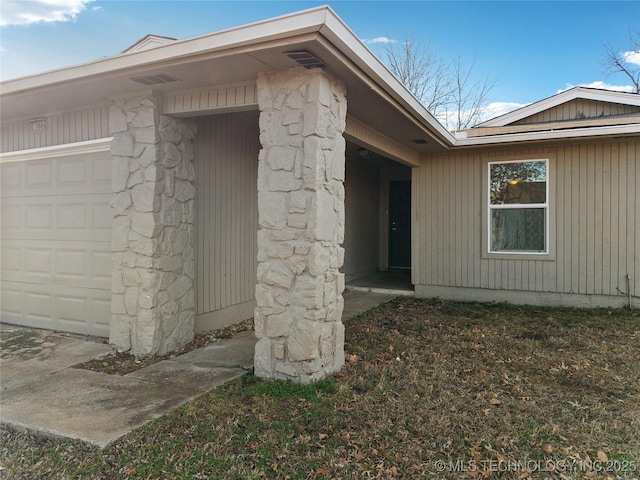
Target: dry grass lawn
<point>431,389</point>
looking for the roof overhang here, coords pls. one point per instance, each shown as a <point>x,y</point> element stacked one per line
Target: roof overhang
<point>611,131</point>
<point>233,56</point>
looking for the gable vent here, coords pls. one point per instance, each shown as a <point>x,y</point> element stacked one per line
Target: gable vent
<point>305,59</point>
<point>155,79</point>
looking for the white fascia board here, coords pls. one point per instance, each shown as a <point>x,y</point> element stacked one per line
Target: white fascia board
<point>76,148</point>
<point>338,33</point>
<point>611,130</point>
<point>560,98</point>
<point>284,26</point>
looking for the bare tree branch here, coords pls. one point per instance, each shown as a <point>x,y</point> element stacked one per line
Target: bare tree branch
<point>450,91</point>
<point>469,95</point>
<point>615,61</point>
<point>420,70</point>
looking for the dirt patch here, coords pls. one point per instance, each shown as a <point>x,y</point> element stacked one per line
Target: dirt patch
<point>121,363</point>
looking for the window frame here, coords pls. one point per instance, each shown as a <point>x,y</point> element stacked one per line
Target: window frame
<point>549,234</point>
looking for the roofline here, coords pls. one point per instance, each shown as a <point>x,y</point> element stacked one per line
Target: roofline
<point>306,21</point>
<point>347,42</point>
<point>560,98</point>
<point>322,20</point>
<point>585,132</point>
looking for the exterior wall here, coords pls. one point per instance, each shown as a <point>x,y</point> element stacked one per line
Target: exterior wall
<point>58,129</point>
<point>361,238</point>
<point>577,109</point>
<point>596,206</point>
<point>226,164</point>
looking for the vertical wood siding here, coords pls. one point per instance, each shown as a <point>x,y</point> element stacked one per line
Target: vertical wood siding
<point>89,124</point>
<point>577,109</point>
<point>226,164</point>
<point>597,222</point>
<point>211,99</point>
<point>362,217</point>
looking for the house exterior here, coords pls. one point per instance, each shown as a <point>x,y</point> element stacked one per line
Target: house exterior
<point>185,185</point>
<point>587,141</point>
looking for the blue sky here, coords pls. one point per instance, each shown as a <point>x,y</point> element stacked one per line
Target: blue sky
<point>532,49</point>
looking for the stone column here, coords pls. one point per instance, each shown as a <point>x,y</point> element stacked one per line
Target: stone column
<point>301,225</point>
<point>152,306</point>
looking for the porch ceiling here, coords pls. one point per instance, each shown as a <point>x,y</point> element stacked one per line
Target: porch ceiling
<point>227,58</point>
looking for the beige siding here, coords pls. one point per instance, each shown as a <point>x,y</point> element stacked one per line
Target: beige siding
<point>361,239</point>
<point>597,222</point>
<point>211,99</point>
<point>62,128</point>
<point>226,165</point>
<point>577,109</point>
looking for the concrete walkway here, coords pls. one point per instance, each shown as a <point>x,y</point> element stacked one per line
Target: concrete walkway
<point>39,392</point>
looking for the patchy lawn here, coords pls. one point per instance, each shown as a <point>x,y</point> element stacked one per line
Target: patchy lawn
<point>431,389</point>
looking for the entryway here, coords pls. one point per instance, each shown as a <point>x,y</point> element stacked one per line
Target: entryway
<point>377,223</point>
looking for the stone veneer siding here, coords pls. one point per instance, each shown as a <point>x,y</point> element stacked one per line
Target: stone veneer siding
<point>153,305</point>
<point>301,225</point>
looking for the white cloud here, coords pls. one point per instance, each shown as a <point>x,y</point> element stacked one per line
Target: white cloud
<point>492,110</point>
<point>370,41</point>
<point>601,85</point>
<point>20,12</point>
<point>495,109</point>
<point>632,57</point>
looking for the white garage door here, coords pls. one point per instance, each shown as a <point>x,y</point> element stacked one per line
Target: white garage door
<point>56,241</point>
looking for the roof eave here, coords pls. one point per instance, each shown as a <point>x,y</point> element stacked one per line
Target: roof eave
<point>336,31</point>
<point>305,21</point>
<point>577,133</point>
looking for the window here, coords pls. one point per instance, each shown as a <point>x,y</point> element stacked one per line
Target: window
<point>518,211</point>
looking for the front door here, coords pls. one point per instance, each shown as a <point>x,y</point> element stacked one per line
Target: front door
<point>400,224</point>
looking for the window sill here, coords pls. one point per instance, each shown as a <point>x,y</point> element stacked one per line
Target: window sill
<point>519,256</point>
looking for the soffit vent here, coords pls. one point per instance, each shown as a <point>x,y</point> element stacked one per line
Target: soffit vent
<point>155,79</point>
<point>420,141</point>
<point>305,59</point>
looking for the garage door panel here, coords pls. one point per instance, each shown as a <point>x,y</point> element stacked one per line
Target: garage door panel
<point>67,218</point>
<point>57,176</point>
<point>12,217</point>
<point>37,262</point>
<point>82,264</point>
<point>11,258</point>
<point>39,305</point>
<point>72,216</point>
<point>71,309</point>
<point>71,264</point>
<point>72,173</point>
<point>55,253</point>
<point>11,304</point>
<point>39,176</point>
<point>10,180</point>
